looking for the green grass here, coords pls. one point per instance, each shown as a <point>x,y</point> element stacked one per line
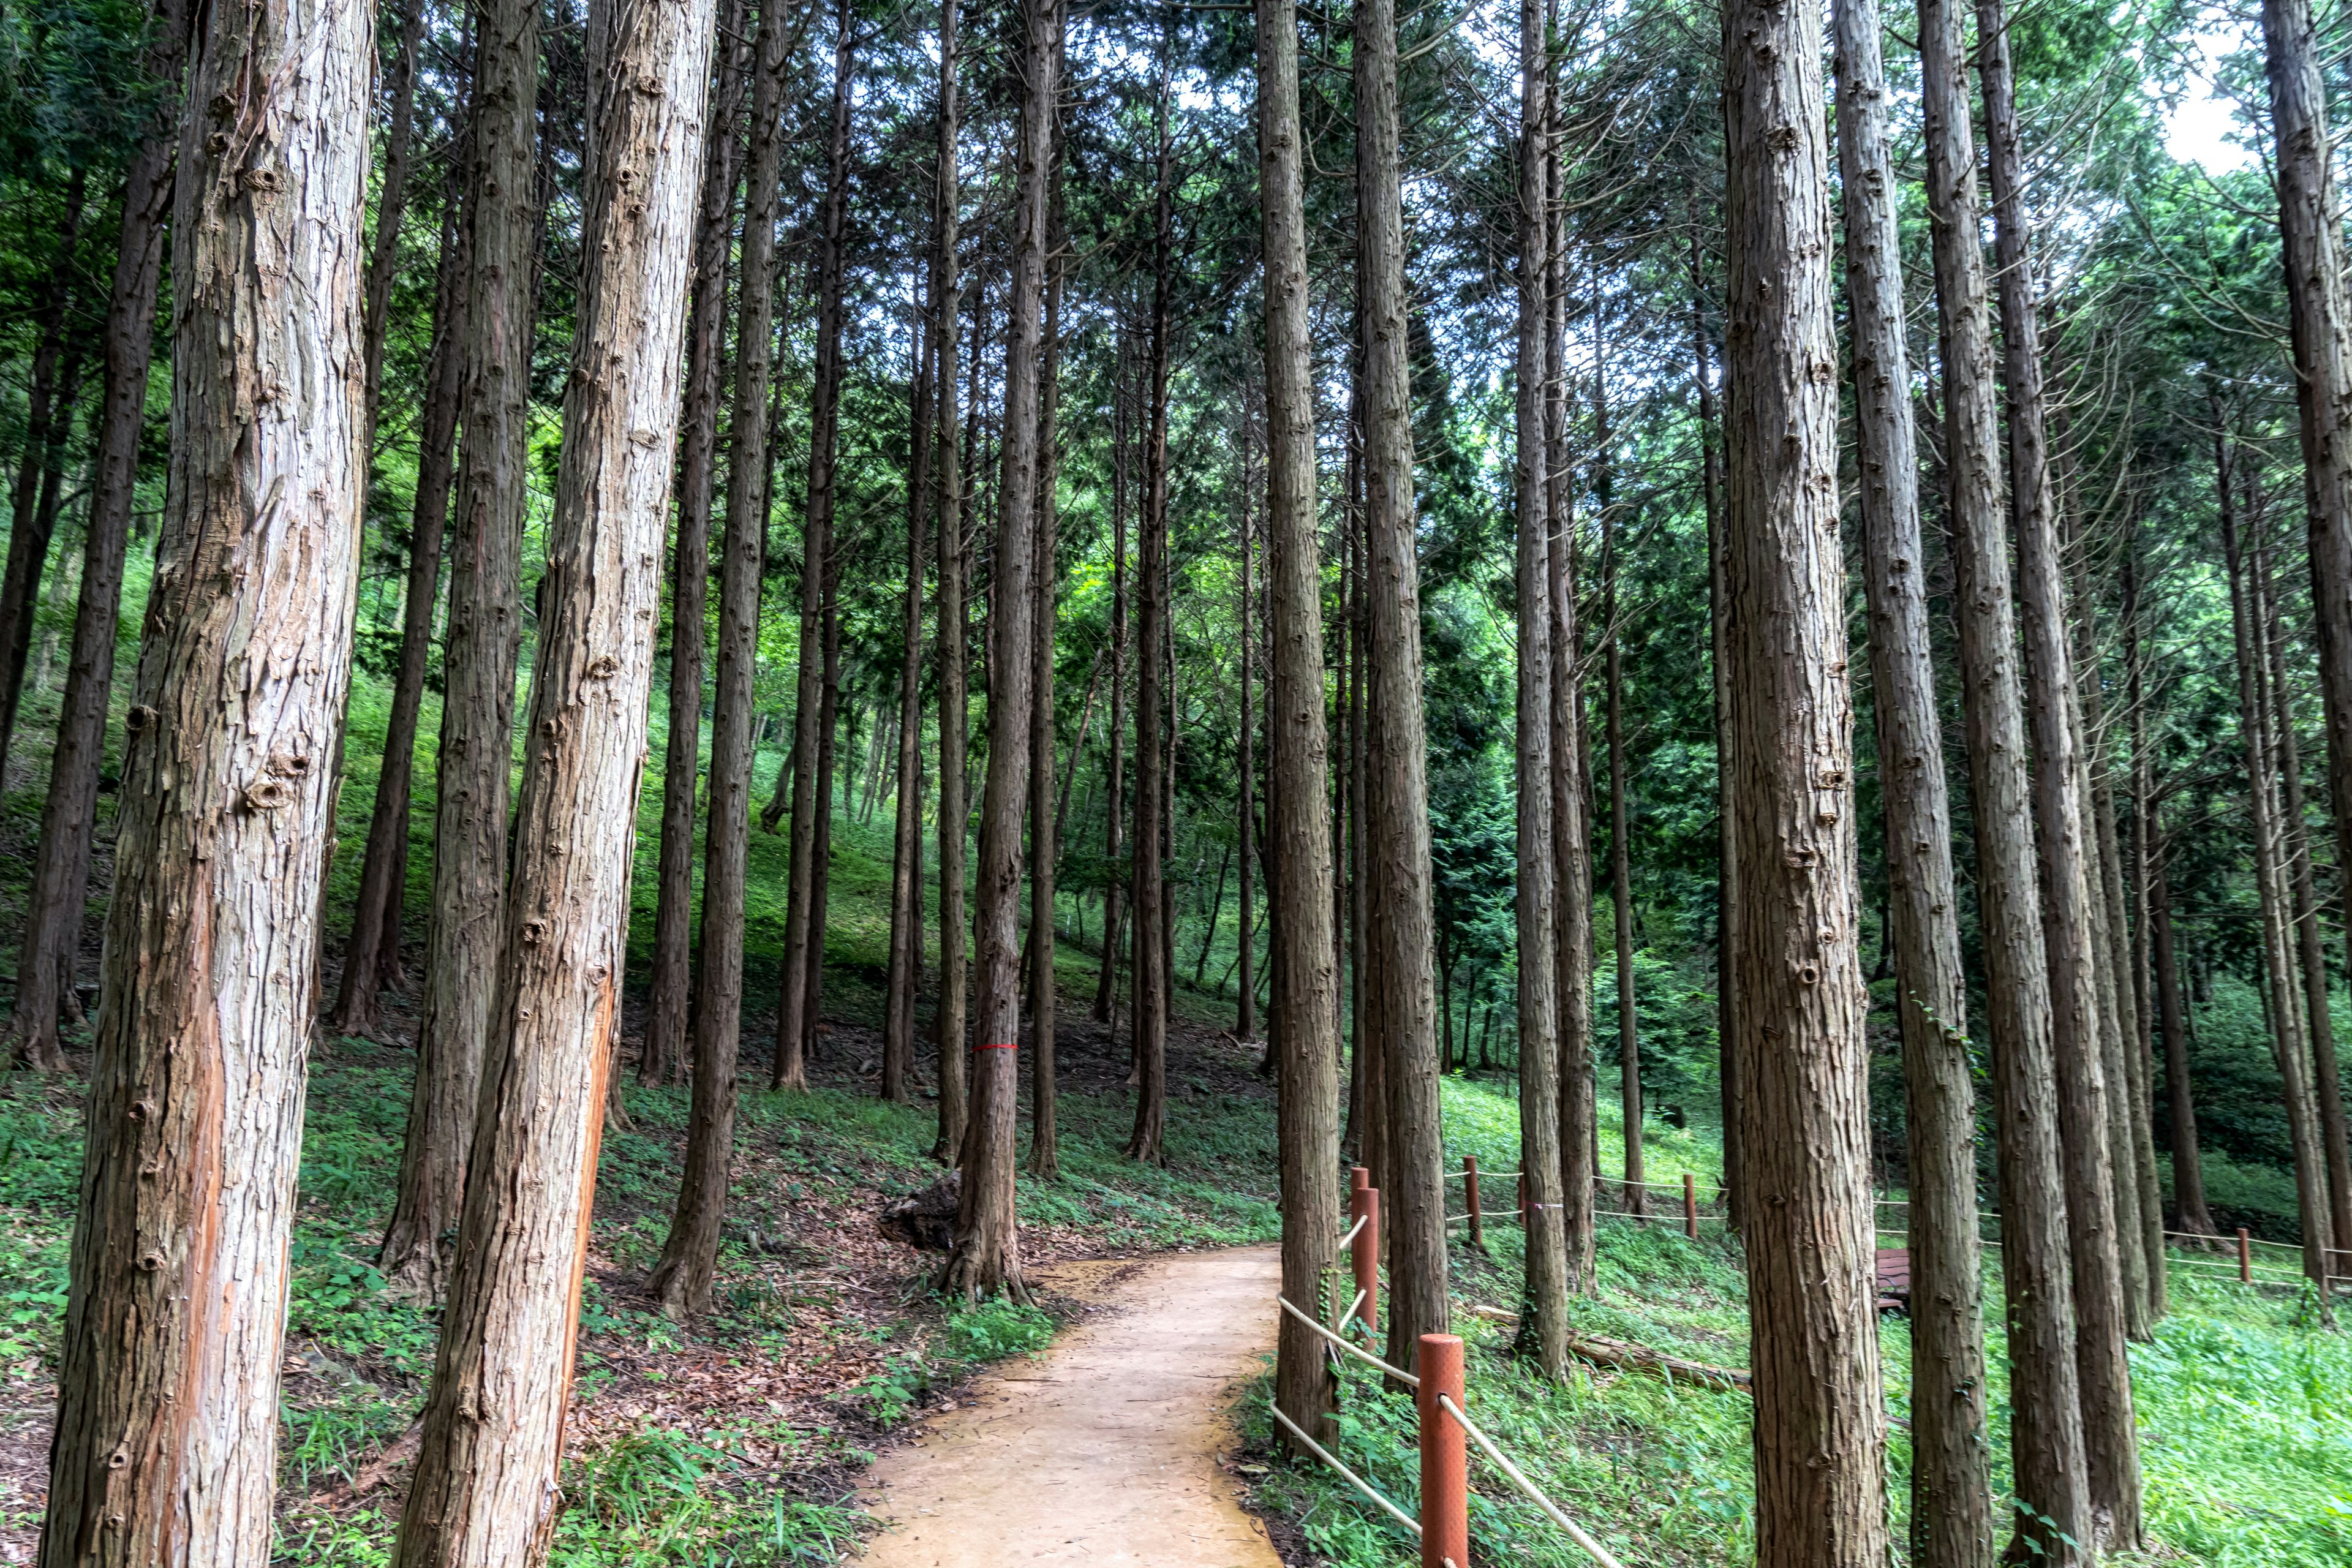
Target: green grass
<point>2246,1410</point>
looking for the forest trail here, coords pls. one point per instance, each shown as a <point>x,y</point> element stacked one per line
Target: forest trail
<point>1105,1448</point>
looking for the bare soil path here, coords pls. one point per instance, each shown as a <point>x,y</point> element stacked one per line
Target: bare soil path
<point>1104,1450</point>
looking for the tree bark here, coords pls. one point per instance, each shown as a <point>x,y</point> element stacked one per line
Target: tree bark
<point>906,829</point>
<point>1620,861</point>
<point>1245,787</point>
<point>1951,1465</point>
<point>391,201</point>
<point>1045,829</point>
<point>166,1438</point>
<point>683,1277</point>
<point>828,735</point>
<point>1543,1312</point>
<point>804,930</point>
<point>2060,818</point>
<point>56,911</point>
<point>2319,320</point>
<point>1413,1195</point>
<point>2046,1439</point>
<point>372,953</point>
<point>2180,1100</point>
<point>1114,768</point>
<point>953,809</point>
<point>484,1489</point>
<point>1148,1004</point>
<point>2287,1045</point>
<point>987,1253</point>
<point>1306,1016</point>
<point>480,644</point>
<point>1819,1428</point>
<point>668,1008</point>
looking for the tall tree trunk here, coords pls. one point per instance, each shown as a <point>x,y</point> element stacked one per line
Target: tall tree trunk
<point>2319,320</point>
<point>2180,1100</point>
<point>485,1481</point>
<point>1543,1317</point>
<point>391,201</point>
<point>1148,1004</point>
<point>1621,860</point>
<point>372,953</point>
<point>1820,1433</point>
<point>2327,1093</point>
<point>668,1009</point>
<point>1413,1196</point>
<point>683,1277</point>
<point>987,1251</point>
<point>166,1440</point>
<point>2287,1045</point>
<point>2111,1442</point>
<point>828,732</point>
<point>1727,993</point>
<point>56,911</point>
<point>1951,1465</point>
<point>1579,1144</point>
<point>1114,771</point>
<point>906,829</point>
<point>480,644</point>
<point>1044,824</point>
<point>953,809</point>
<point>803,926</point>
<point>2136,871</point>
<point>1246,954</point>
<point>2046,1439</point>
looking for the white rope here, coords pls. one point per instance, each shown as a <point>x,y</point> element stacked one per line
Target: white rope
<point>1354,1307</point>
<point>1404,1377</point>
<point>1493,1213</point>
<point>1324,1454</point>
<point>1361,1221</point>
<point>1598,1552</point>
<point>1482,1175</point>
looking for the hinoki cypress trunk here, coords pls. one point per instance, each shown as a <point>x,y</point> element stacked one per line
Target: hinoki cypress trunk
<point>2180,1100</point>
<point>1045,829</point>
<point>906,961</point>
<point>1820,1431</point>
<point>1413,1207</point>
<point>1543,1319</point>
<point>2046,1441</point>
<point>1951,1465</point>
<point>484,1489</point>
<point>480,647</point>
<point>682,1278</point>
<point>1113,767</point>
<point>987,1253</point>
<point>803,925</point>
<point>55,908</point>
<point>2060,819</point>
<point>953,809</point>
<point>1305,1014</point>
<point>668,1008</point>
<point>165,1446</point>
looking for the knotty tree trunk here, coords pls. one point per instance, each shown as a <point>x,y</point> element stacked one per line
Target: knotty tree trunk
<point>1412,1195</point>
<point>480,646</point>
<point>2319,318</point>
<point>2046,1439</point>
<point>166,1440</point>
<point>1044,830</point>
<point>484,1491</point>
<point>2111,1438</point>
<point>1148,1004</point>
<point>372,953</point>
<point>953,808</point>
<point>987,1254</point>
<point>1580,1144</point>
<point>55,910</point>
<point>1951,1467</point>
<point>1306,1011</point>
<point>907,835</point>
<point>803,929</point>
<point>1820,1423</point>
<point>2180,1102</point>
<point>683,1277</point>
<point>1543,1317</point>
<point>669,1006</point>
<point>2287,1045</point>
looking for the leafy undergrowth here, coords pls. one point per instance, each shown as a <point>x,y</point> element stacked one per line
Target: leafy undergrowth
<point>2245,1414</point>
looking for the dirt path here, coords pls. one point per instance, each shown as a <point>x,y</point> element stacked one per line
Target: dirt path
<point>1105,1449</point>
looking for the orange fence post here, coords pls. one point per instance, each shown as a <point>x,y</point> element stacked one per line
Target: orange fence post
<point>1364,1252</point>
<point>1690,1206</point>
<point>1470,1183</point>
<point>2245,1257</point>
<point>1444,1458</point>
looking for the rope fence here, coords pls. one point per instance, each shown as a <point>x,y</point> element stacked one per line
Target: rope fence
<point>1442,1528</point>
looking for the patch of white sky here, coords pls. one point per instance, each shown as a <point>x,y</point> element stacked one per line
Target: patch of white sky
<point>2204,125</point>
